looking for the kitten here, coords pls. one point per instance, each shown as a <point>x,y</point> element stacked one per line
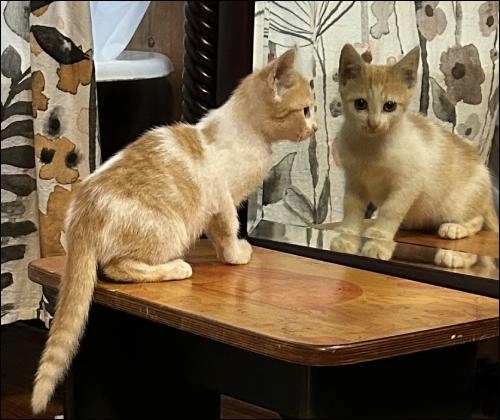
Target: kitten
<point>417,173</point>
<point>136,216</point>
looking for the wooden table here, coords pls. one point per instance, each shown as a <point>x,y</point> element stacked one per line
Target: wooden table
<point>305,338</point>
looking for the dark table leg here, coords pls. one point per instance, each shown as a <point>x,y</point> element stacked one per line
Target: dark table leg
<point>128,367</point>
<point>436,384</point>
<point>123,359</point>
<point>432,384</point>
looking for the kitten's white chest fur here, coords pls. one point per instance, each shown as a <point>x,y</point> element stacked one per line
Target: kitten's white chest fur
<point>242,158</point>
<point>380,165</point>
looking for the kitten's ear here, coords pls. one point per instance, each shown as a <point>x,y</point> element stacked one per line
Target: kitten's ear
<point>279,76</point>
<point>350,64</point>
<point>407,67</point>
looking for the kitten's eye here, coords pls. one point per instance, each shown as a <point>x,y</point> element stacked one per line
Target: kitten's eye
<point>390,106</point>
<point>307,112</point>
<point>360,104</point>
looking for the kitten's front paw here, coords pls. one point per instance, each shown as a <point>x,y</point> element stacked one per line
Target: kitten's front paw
<point>239,252</point>
<point>454,259</point>
<point>452,231</point>
<point>348,244</point>
<point>381,250</point>
<point>376,233</point>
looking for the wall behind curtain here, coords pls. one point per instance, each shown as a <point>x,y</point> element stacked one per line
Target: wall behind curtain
<point>458,84</point>
<point>49,138</point>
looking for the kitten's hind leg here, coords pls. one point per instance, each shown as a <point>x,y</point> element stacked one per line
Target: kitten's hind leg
<point>134,271</point>
<point>461,230</point>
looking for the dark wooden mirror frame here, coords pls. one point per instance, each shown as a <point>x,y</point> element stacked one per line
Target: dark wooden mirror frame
<point>218,42</point>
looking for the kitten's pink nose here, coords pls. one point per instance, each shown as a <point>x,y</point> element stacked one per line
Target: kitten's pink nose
<point>373,123</point>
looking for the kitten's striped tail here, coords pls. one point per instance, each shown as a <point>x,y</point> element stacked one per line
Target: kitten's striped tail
<point>74,299</point>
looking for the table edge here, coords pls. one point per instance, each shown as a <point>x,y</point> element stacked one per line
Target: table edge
<point>288,351</point>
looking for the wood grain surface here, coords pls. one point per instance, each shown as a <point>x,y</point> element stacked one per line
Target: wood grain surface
<point>300,310</point>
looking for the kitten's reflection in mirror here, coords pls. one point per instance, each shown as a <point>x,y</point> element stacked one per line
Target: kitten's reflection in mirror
<point>381,249</point>
<point>450,259</point>
<point>418,174</point>
<point>475,256</point>
<point>454,259</point>
<point>354,244</point>
<point>384,249</point>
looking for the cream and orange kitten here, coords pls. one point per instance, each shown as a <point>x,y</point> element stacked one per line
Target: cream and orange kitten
<point>136,216</point>
<point>417,173</point>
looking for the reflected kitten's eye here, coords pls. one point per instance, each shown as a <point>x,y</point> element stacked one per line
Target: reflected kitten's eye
<point>360,104</point>
<point>307,112</point>
<point>390,106</point>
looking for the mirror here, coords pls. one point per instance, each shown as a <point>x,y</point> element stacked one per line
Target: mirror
<point>301,201</point>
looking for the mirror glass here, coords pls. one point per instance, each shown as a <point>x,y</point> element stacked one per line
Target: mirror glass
<point>301,201</point>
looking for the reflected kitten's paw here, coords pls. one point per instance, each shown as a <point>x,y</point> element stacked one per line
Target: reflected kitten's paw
<point>376,233</point>
<point>238,253</point>
<point>348,244</point>
<point>454,259</point>
<point>381,250</point>
<point>452,231</point>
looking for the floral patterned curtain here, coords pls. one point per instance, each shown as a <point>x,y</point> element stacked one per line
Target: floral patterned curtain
<point>458,83</point>
<point>49,137</point>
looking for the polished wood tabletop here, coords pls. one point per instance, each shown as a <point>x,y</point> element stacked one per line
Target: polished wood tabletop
<point>299,310</point>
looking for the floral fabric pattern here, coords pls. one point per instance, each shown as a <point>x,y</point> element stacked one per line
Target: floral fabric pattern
<point>463,74</point>
<point>488,17</point>
<point>431,20</point>
<point>470,128</point>
<point>49,138</point>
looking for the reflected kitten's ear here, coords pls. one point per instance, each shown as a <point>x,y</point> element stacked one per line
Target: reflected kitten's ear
<point>349,64</point>
<point>407,67</point>
<point>280,76</point>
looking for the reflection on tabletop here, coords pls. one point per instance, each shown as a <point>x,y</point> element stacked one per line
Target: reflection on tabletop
<point>476,255</point>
